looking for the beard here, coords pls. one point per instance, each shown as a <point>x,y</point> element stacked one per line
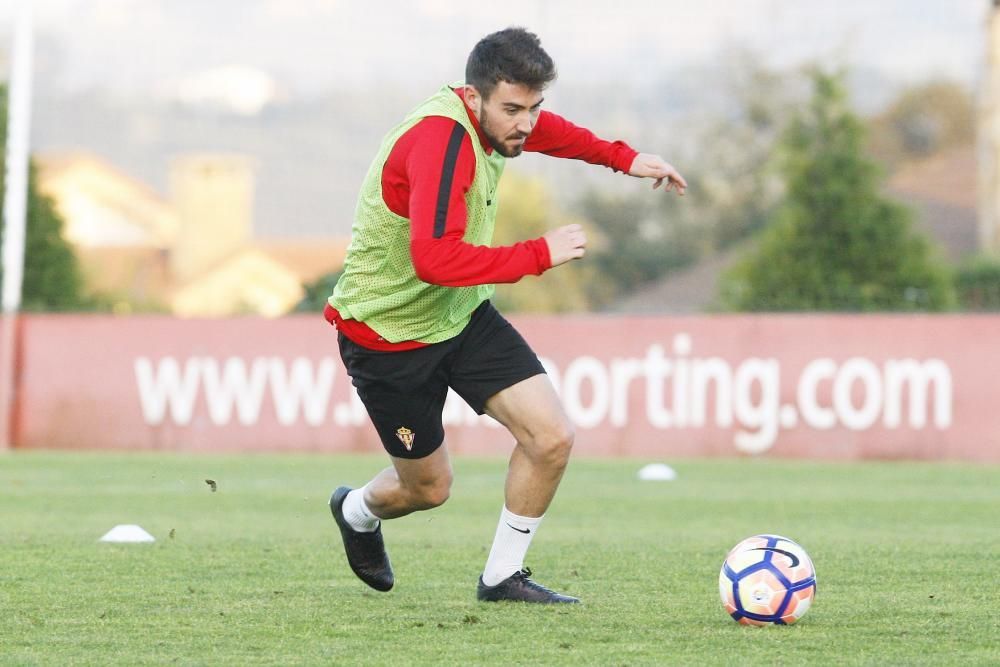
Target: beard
<point>498,145</point>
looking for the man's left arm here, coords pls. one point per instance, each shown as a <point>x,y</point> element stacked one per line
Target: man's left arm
<point>648,165</point>
<point>554,135</point>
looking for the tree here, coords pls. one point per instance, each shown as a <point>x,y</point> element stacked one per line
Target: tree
<point>726,154</point>
<point>834,242</point>
<point>52,276</point>
<point>977,282</point>
<point>638,239</point>
<point>317,293</point>
<point>923,120</point>
<point>526,212</point>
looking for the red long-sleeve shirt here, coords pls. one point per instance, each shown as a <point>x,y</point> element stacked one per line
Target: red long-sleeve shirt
<point>411,180</point>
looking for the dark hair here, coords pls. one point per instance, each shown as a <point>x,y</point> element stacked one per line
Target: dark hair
<point>513,55</point>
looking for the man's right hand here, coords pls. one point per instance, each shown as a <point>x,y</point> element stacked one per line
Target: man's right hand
<point>566,243</point>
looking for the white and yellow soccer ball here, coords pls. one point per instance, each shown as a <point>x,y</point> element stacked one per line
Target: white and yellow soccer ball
<point>767,579</point>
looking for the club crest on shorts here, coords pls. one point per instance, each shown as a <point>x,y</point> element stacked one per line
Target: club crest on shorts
<point>406,437</point>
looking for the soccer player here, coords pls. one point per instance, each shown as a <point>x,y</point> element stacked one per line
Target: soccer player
<point>413,313</point>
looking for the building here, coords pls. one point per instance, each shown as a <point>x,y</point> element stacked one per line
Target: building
<point>193,254</point>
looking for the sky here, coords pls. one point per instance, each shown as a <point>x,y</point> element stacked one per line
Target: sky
<point>187,51</point>
<point>134,46</point>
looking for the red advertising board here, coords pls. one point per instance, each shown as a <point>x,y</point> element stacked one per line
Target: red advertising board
<point>816,386</point>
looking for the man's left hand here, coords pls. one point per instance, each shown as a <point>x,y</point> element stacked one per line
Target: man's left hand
<point>647,165</point>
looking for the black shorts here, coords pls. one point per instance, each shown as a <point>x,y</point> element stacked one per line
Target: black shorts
<point>404,392</point>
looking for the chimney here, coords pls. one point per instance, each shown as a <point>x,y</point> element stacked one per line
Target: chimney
<point>988,139</point>
<point>213,197</point>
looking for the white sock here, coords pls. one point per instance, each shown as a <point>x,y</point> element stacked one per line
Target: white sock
<point>357,513</point>
<point>511,543</point>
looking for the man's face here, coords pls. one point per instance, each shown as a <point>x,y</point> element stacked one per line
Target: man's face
<point>508,116</point>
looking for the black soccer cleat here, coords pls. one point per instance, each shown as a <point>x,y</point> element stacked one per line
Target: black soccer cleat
<point>519,588</point>
<point>365,551</point>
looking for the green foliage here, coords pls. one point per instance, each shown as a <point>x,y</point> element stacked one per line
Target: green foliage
<point>835,243</point>
<point>254,574</point>
<point>317,292</point>
<point>639,238</point>
<point>52,277</point>
<point>977,283</point>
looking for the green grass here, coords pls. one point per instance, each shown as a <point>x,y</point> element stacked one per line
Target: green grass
<point>907,559</point>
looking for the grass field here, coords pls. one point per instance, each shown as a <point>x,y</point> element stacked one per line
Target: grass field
<point>907,558</point>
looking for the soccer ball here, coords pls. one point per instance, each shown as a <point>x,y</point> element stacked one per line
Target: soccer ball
<point>767,579</point>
